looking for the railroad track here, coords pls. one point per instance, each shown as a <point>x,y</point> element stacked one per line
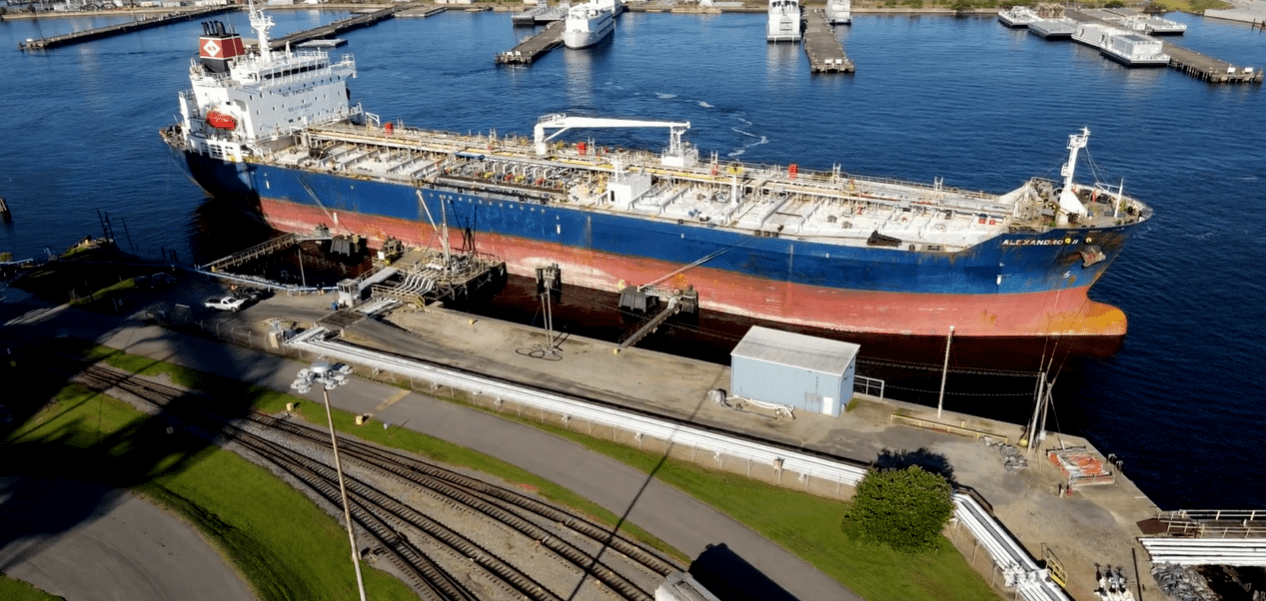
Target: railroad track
<point>588,551</point>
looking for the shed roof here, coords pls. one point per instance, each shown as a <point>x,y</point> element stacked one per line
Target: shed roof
<point>796,350</point>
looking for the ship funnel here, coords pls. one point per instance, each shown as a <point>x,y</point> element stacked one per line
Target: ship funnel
<point>218,45</point>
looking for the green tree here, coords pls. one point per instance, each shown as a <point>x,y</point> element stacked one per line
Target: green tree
<point>905,509</point>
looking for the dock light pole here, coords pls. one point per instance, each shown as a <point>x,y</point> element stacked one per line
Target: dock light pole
<point>944,372</point>
<point>329,377</point>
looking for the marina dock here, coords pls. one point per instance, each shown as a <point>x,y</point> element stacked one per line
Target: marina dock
<point>333,29</point>
<point>1195,64</point>
<point>533,47</point>
<point>1207,68</point>
<point>121,28</point>
<point>826,54</point>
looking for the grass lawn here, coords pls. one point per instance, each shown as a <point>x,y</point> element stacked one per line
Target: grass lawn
<point>256,520</point>
<point>270,401</point>
<point>16,590</point>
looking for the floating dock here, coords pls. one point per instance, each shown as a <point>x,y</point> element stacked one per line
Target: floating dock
<point>538,15</point>
<point>325,44</point>
<point>420,12</point>
<point>1200,66</point>
<point>826,54</point>
<point>533,47</point>
<point>121,28</point>
<point>333,29</point>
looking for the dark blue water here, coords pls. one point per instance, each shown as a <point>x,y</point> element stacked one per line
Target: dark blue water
<point>964,99</point>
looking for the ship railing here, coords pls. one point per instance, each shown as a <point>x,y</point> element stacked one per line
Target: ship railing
<point>1214,523</point>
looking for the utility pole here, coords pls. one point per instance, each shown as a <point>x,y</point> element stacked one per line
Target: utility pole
<point>940,401</point>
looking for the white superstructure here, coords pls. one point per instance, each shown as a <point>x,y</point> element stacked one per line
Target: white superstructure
<point>250,104</point>
<point>784,21</point>
<point>839,12</point>
<point>1017,16</point>
<point>1130,49</point>
<point>587,24</point>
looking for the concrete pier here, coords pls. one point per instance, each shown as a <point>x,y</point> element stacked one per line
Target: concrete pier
<point>121,28</point>
<point>337,27</point>
<point>1207,68</point>
<point>533,47</point>
<point>826,54</point>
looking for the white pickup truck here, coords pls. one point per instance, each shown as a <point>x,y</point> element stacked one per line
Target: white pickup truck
<point>224,303</point>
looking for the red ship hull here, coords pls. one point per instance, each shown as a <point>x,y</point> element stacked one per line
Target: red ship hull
<point>1056,313</point>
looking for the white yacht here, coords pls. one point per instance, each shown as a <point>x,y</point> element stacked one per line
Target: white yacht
<point>587,24</point>
<point>1017,16</point>
<point>839,12</point>
<point>784,21</point>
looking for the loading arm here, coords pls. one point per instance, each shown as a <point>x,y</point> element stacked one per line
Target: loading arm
<point>562,123</point>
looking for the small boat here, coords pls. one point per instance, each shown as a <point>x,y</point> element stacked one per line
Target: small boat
<point>839,12</point>
<point>1017,16</point>
<point>784,21</point>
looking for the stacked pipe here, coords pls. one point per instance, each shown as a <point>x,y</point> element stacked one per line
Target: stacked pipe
<point>1020,571</point>
<point>1207,551</point>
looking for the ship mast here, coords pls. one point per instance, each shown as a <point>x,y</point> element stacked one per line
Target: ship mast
<point>1068,200</point>
<point>261,24</point>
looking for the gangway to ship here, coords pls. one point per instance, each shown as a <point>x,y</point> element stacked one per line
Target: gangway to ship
<point>264,248</point>
<point>645,299</point>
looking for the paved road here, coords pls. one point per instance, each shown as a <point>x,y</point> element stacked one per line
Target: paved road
<point>678,519</point>
<point>120,547</point>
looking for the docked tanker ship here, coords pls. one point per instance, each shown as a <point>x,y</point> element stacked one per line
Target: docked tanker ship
<point>817,250</point>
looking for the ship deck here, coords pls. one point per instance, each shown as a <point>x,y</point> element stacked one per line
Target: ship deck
<point>833,207</point>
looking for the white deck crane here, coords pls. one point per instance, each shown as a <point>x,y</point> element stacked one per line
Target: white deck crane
<point>678,154</point>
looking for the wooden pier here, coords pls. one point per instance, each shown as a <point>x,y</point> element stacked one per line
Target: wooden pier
<point>533,47</point>
<point>826,54</point>
<point>121,28</point>
<point>333,29</point>
<point>1207,68</point>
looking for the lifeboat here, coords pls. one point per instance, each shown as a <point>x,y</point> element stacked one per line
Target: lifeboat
<point>220,120</point>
